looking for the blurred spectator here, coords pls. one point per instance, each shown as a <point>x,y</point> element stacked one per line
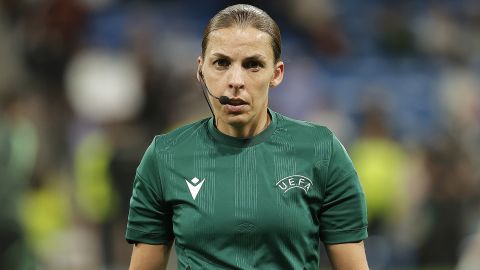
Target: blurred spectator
<point>52,34</point>
<point>446,203</point>
<point>395,35</point>
<point>380,163</point>
<point>18,155</point>
<point>46,214</point>
<point>318,20</point>
<point>95,194</point>
<point>439,35</point>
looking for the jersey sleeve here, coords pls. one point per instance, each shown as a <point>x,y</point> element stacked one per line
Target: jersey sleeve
<point>149,217</point>
<point>343,216</point>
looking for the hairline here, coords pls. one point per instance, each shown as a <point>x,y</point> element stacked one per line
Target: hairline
<point>243,26</point>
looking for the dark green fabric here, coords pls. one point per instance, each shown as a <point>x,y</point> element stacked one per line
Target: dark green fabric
<point>262,203</point>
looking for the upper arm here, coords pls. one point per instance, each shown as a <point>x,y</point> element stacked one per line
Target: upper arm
<point>346,256</point>
<point>343,214</point>
<point>149,216</point>
<point>149,223</point>
<point>150,257</point>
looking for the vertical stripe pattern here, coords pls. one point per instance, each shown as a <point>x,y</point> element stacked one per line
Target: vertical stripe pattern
<point>204,163</point>
<point>285,165</point>
<point>246,198</point>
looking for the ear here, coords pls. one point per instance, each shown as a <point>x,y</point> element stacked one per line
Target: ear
<point>199,67</point>
<point>278,74</point>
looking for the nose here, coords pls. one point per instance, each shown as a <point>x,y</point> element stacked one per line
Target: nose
<point>236,80</point>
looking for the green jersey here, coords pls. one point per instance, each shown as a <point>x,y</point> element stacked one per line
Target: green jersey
<point>263,202</point>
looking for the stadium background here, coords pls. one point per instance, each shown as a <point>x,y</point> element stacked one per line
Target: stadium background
<point>85,85</point>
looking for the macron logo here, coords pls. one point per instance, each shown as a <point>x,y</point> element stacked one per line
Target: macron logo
<point>194,186</point>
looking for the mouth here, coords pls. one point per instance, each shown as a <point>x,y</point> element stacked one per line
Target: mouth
<point>236,106</point>
<point>236,102</point>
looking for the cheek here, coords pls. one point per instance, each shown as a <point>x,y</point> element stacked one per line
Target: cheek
<point>217,86</point>
<point>260,95</point>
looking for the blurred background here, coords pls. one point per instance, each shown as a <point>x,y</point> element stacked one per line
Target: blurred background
<point>86,84</point>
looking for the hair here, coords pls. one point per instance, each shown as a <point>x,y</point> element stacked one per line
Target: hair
<point>244,16</point>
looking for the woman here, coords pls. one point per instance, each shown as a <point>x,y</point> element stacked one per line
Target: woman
<point>248,188</point>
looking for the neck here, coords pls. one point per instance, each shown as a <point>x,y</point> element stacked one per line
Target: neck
<point>245,131</point>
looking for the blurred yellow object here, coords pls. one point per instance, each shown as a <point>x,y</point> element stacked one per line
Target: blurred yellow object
<point>380,163</point>
<point>93,185</point>
<point>45,213</point>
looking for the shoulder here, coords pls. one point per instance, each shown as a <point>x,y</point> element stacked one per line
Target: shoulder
<point>303,129</point>
<point>181,135</point>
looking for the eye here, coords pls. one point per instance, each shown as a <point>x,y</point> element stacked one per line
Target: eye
<point>221,63</point>
<point>253,64</point>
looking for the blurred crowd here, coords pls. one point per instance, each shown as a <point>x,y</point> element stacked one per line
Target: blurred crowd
<point>86,84</point>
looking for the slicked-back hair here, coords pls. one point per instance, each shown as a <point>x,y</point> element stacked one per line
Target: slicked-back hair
<point>242,15</point>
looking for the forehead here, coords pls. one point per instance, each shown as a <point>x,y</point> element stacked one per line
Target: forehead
<point>239,41</point>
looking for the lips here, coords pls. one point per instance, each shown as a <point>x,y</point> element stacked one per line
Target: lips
<point>235,106</point>
<point>236,102</point>
<point>236,109</point>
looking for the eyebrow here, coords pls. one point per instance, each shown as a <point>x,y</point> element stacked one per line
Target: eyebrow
<point>220,55</point>
<point>253,57</point>
<point>256,57</point>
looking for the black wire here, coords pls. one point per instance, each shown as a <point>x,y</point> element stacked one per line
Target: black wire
<point>204,87</point>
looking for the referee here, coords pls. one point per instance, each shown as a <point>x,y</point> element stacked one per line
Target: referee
<point>247,188</point>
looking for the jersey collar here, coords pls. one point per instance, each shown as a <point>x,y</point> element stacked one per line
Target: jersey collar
<point>244,142</point>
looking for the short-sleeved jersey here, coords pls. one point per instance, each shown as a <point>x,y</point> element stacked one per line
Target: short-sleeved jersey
<point>263,202</point>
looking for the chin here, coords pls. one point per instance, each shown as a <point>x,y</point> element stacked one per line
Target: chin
<point>236,119</point>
